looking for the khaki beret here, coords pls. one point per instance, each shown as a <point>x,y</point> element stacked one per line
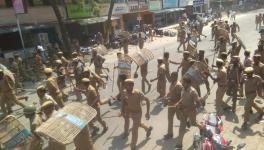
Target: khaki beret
<point>60,53</point>
<point>47,104</point>
<point>58,61</point>
<point>74,53</point>
<point>48,70</point>
<point>85,80</point>
<point>29,110</point>
<point>87,69</point>
<point>249,70</point>
<point>75,60</point>
<point>257,55</point>
<point>129,81</point>
<point>219,61</point>
<point>41,88</point>
<point>235,57</point>
<point>186,52</point>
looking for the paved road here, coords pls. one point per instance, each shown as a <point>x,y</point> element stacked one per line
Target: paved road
<point>112,139</point>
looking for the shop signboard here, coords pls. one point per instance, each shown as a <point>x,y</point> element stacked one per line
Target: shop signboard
<point>154,5</point>
<point>19,6</point>
<point>170,3</point>
<point>135,6</point>
<point>120,8</point>
<point>197,3</point>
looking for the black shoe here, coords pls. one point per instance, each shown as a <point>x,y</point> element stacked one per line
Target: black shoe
<point>244,126</point>
<point>149,131</point>
<point>109,102</point>
<point>178,147</point>
<point>188,124</point>
<point>125,135</point>
<point>168,136</point>
<point>95,131</point>
<point>260,116</point>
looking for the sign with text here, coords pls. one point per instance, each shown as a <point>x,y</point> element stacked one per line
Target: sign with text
<point>154,5</point>
<point>197,3</point>
<point>170,3</point>
<point>19,6</point>
<point>120,8</point>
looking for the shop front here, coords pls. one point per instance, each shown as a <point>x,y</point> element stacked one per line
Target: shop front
<point>158,15</point>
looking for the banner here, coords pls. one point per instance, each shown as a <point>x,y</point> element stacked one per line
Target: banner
<point>120,8</point>
<point>154,5</point>
<point>170,3</point>
<point>19,6</point>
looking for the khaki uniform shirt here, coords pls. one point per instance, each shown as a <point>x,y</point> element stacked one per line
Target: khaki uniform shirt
<point>189,98</point>
<point>7,84</point>
<point>259,69</point>
<point>161,73</point>
<point>175,93</point>
<point>185,66</point>
<point>91,96</point>
<point>221,77</point>
<point>52,86</point>
<point>133,101</point>
<point>252,85</point>
<point>248,62</point>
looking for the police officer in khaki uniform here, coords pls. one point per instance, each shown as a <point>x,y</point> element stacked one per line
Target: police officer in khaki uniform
<point>21,68</point>
<point>64,61</point>
<point>172,98</point>
<point>167,61</point>
<point>235,50</point>
<point>98,62</point>
<point>93,100</point>
<point>48,109</point>
<point>187,108</point>
<point>161,77</point>
<point>258,66</point>
<point>185,63</point>
<point>53,87</point>
<point>234,72</point>
<point>7,93</point>
<point>221,79</point>
<point>253,87</point>
<point>35,120</point>
<point>144,73</point>
<point>83,140</point>
<point>221,46</point>
<point>248,62</point>
<point>141,40</point>
<point>133,109</point>
<point>224,58</point>
<point>181,38</point>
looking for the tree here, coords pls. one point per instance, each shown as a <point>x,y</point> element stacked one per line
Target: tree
<point>109,22</point>
<point>64,34</point>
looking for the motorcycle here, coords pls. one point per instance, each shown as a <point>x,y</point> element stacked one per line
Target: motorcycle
<point>210,137</point>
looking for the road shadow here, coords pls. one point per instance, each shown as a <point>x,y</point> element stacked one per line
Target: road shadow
<point>231,117</point>
<point>157,109</point>
<point>142,143</point>
<point>166,144</point>
<point>243,133</point>
<point>118,142</point>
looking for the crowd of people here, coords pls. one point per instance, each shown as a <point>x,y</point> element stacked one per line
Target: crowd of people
<point>233,77</point>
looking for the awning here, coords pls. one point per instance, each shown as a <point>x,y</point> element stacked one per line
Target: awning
<point>174,9</point>
<point>24,28</point>
<point>93,20</point>
<point>158,11</point>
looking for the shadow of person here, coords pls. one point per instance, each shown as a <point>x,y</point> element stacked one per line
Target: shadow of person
<point>168,144</point>
<point>118,142</point>
<point>231,117</point>
<point>243,133</point>
<point>157,109</point>
<point>142,143</point>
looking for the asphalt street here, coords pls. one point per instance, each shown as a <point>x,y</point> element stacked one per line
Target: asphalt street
<point>112,139</point>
